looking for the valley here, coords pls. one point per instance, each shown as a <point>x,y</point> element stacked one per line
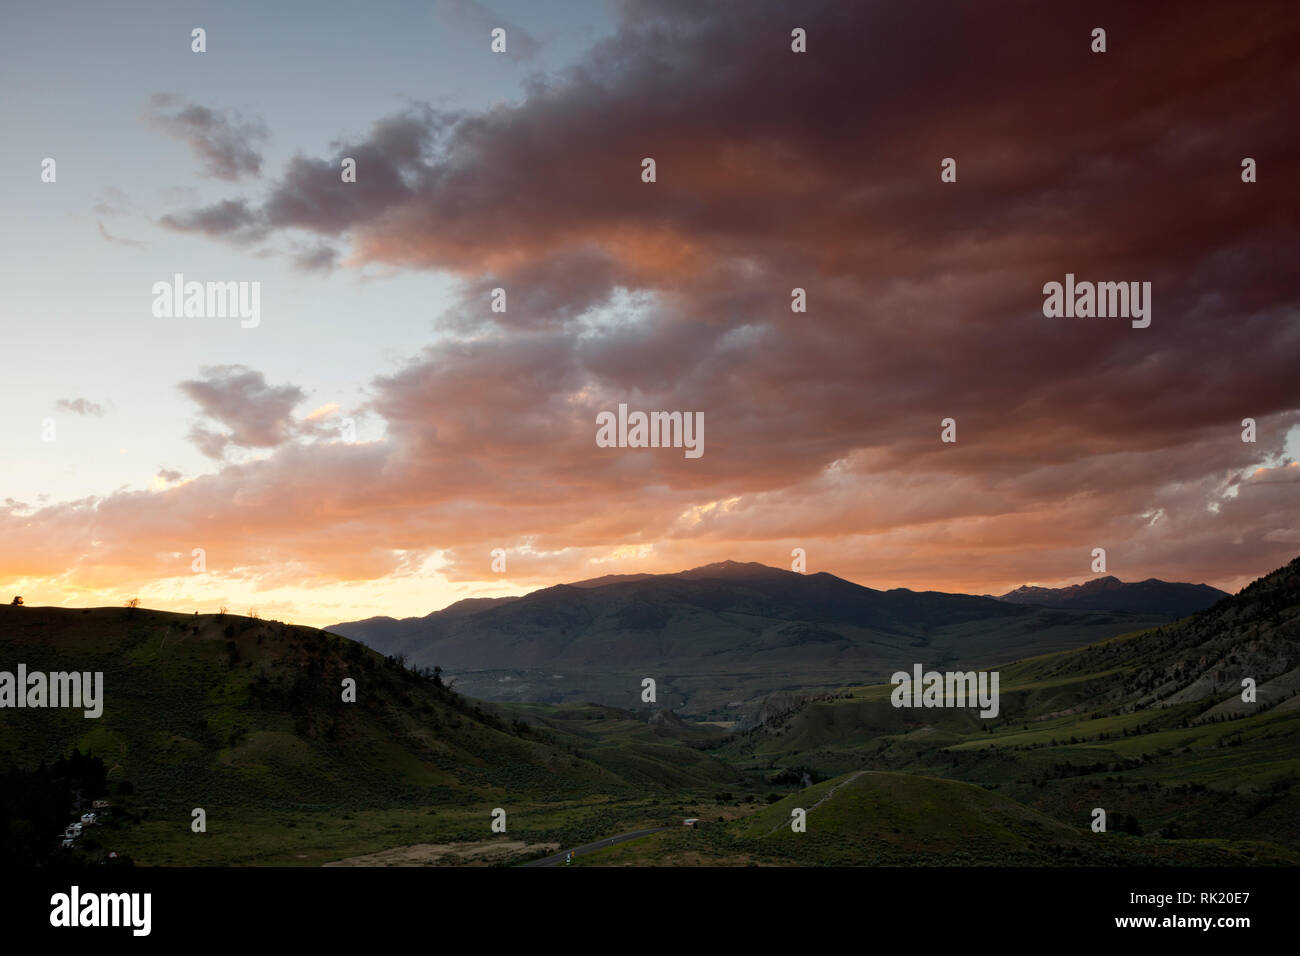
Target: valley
<point>244,718</point>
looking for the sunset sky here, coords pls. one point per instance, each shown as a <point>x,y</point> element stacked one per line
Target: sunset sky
<point>364,449</point>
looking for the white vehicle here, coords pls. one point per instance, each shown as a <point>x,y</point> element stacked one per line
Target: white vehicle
<point>73,830</point>
<point>68,842</point>
<point>88,819</point>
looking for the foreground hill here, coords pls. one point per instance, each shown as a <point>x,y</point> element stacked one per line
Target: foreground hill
<point>872,818</point>
<point>245,719</point>
<point>717,639</point>
<point>1110,593</point>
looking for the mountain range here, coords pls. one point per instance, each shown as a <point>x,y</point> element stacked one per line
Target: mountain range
<point>1151,596</point>
<point>719,639</point>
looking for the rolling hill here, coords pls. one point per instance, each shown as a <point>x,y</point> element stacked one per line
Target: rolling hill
<point>877,818</point>
<point>245,719</point>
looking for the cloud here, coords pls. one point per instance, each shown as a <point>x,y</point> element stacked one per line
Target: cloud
<point>254,414</point>
<point>229,219</point>
<point>80,406</point>
<point>113,202</point>
<point>222,141</point>
<point>106,235</point>
<point>310,195</point>
<point>318,258</point>
<point>476,23</point>
<point>323,411</point>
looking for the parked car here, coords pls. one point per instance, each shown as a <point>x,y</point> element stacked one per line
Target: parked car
<point>73,830</point>
<point>88,819</point>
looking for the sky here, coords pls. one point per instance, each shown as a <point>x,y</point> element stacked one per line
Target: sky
<point>367,445</point>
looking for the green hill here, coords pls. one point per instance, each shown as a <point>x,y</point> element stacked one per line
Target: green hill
<point>897,819</point>
<point>245,719</point>
<point>654,748</point>
<point>1149,724</point>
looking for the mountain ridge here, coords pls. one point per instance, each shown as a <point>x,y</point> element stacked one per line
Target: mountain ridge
<point>1152,595</point>
<point>723,636</point>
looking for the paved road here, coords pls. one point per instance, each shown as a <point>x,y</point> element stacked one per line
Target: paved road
<point>558,858</point>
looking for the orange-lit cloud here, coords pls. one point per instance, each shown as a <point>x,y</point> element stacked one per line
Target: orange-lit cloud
<point>822,428</point>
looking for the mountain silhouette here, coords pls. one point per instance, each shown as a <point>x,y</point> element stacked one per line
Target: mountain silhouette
<point>1151,596</point>
<point>722,636</point>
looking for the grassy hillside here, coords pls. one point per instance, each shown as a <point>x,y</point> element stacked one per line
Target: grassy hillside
<point>1150,725</point>
<point>898,819</point>
<point>245,719</point>
<point>654,749</point>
